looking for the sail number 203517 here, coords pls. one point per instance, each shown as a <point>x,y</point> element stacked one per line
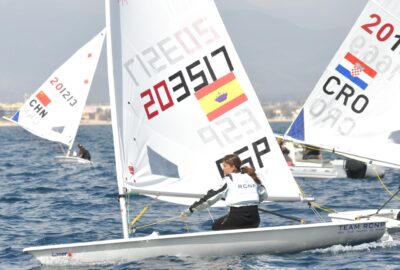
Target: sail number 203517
<point>200,74</point>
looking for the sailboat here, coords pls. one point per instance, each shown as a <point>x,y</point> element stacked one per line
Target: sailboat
<point>353,108</point>
<point>54,111</point>
<point>322,168</point>
<point>180,101</point>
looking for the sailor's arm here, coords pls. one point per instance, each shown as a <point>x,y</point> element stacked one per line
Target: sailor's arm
<point>209,199</point>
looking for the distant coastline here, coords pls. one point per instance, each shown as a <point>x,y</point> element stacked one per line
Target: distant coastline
<point>280,120</point>
<point>100,114</point>
<point>4,123</point>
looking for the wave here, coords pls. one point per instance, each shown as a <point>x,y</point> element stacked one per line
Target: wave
<point>340,249</point>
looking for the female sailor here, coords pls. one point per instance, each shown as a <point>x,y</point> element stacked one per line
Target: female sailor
<point>242,191</point>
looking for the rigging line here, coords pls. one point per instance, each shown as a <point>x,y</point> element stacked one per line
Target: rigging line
<point>128,207</point>
<point>208,209</point>
<point>384,186</point>
<point>318,206</point>
<point>311,147</point>
<point>302,221</point>
<point>380,208</point>
<point>304,195</point>
<point>317,214</point>
<point>300,188</point>
<point>313,205</point>
<point>157,222</point>
<point>62,148</point>
<point>187,227</point>
<point>144,210</point>
<point>350,155</point>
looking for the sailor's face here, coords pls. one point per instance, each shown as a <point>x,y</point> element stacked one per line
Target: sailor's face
<point>227,168</point>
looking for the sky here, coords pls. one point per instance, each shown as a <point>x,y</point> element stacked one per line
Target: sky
<point>284,44</point>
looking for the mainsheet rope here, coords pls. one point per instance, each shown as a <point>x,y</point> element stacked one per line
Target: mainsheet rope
<point>383,184</point>
<point>132,229</point>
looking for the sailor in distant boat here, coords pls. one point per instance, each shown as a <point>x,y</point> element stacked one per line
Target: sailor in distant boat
<point>242,191</point>
<point>83,152</point>
<point>285,151</point>
<point>310,152</point>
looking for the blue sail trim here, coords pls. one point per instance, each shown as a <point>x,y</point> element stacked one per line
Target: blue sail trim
<point>15,117</point>
<point>297,129</point>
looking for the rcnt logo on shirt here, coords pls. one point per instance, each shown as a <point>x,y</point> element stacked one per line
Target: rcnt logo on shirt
<point>247,186</point>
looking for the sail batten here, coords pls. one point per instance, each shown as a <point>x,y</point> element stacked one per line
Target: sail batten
<point>354,106</point>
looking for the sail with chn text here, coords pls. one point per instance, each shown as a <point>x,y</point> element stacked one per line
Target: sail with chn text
<point>54,111</point>
<point>185,103</point>
<point>353,109</point>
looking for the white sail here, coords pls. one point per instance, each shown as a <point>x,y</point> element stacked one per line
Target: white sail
<point>54,111</point>
<point>353,109</point>
<point>183,101</point>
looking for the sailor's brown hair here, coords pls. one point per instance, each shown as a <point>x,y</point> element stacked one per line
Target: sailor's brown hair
<point>235,161</point>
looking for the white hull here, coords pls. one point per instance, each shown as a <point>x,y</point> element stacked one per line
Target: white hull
<point>72,160</point>
<point>328,169</point>
<point>391,216</point>
<point>283,239</point>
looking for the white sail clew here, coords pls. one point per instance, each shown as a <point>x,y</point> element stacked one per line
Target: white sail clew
<point>186,102</point>
<point>54,111</point>
<point>353,109</point>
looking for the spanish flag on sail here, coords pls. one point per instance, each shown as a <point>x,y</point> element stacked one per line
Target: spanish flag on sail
<point>220,96</point>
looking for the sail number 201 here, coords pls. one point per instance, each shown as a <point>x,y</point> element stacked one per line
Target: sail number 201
<point>382,30</point>
<point>59,86</point>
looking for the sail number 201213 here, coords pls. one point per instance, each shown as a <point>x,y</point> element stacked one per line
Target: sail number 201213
<point>59,86</point>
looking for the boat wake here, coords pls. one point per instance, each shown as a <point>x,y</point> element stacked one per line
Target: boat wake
<point>340,249</point>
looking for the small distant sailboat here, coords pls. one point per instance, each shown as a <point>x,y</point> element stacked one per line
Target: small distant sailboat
<point>353,109</point>
<point>54,111</point>
<point>181,100</point>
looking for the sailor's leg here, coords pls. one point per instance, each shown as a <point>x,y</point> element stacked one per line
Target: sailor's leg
<point>238,218</point>
<point>219,223</point>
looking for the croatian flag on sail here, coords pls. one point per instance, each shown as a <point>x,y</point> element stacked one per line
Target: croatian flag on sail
<point>356,71</point>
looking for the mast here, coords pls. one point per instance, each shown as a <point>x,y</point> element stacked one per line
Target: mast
<point>70,146</point>
<point>116,136</point>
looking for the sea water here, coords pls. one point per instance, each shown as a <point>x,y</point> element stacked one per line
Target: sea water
<point>42,203</point>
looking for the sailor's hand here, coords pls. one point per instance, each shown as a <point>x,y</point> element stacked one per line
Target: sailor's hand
<point>185,214</point>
